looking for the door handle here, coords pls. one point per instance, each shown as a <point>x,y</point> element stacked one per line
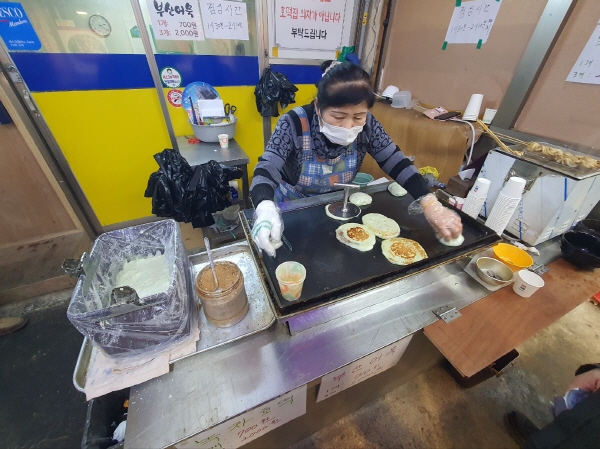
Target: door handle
<point>29,101</point>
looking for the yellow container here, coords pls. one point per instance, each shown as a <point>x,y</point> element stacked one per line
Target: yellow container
<point>516,258</point>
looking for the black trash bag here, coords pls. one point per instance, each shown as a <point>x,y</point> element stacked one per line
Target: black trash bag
<point>209,186</point>
<point>189,194</point>
<point>274,87</point>
<point>167,186</point>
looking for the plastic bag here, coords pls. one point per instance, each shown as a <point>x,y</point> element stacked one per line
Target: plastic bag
<point>274,87</point>
<point>189,194</point>
<point>170,313</point>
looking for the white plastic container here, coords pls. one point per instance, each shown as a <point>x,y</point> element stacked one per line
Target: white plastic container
<point>401,99</point>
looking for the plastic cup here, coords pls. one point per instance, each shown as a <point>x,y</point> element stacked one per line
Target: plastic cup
<point>527,283</point>
<point>290,276</point>
<point>481,187</point>
<point>473,108</point>
<point>223,140</point>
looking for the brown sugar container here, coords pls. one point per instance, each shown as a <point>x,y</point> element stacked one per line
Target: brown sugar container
<point>229,304</point>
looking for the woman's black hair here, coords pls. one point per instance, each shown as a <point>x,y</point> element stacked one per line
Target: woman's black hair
<point>344,84</point>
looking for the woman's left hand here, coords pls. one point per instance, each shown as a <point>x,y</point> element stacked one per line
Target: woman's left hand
<point>444,221</point>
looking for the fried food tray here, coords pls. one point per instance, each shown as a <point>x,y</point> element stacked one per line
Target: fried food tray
<point>336,271</point>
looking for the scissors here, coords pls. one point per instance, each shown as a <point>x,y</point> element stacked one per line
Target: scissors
<point>230,109</point>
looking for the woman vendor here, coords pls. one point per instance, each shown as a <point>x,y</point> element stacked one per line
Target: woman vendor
<point>325,142</point>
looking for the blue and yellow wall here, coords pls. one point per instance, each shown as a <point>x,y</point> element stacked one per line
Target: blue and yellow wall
<point>104,113</point>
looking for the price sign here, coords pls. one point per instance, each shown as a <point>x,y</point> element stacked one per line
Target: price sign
<point>249,426</point>
<point>225,20</point>
<point>176,20</point>
<point>362,369</point>
<point>587,68</point>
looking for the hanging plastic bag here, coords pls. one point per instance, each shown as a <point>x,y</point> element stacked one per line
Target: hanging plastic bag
<point>189,194</point>
<point>273,88</point>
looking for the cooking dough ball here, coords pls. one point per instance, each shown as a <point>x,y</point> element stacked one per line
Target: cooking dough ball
<point>361,199</point>
<point>453,242</point>
<point>396,189</point>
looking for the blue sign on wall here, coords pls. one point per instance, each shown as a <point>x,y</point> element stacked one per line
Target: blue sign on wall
<point>16,29</point>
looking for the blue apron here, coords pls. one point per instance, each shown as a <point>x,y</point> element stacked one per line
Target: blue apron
<point>318,175</point>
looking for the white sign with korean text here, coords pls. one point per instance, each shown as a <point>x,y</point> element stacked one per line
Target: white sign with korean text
<point>362,369</point>
<point>176,20</point>
<point>310,24</point>
<point>249,426</point>
<point>472,22</point>
<point>587,68</point>
<point>225,19</point>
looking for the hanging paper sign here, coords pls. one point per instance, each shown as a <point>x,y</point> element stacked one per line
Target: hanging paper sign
<point>472,22</point>
<point>174,97</point>
<point>170,77</point>
<point>587,67</point>
<point>315,25</point>
<point>176,20</point>
<point>225,20</point>
<point>249,426</point>
<point>16,29</point>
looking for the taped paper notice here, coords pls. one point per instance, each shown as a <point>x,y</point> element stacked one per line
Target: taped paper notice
<point>362,369</point>
<point>587,68</point>
<point>249,426</point>
<point>472,22</point>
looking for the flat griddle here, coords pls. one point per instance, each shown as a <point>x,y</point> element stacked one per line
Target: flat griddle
<point>335,271</point>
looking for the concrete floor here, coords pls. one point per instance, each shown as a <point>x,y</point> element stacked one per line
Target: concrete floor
<point>432,411</point>
<point>40,408</point>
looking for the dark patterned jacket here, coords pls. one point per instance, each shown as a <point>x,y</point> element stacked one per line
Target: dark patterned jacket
<point>282,158</point>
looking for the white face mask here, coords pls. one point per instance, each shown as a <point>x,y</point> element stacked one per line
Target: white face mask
<point>337,134</point>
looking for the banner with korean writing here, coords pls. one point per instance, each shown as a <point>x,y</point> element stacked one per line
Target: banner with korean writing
<point>472,22</point>
<point>362,369</point>
<point>176,20</point>
<point>310,24</point>
<point>250,425</point>
<point>224,19</point>
<point>587,67</point>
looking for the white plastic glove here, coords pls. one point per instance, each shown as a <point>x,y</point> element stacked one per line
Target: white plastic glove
<point>268,227</point>
<point>444,221</point>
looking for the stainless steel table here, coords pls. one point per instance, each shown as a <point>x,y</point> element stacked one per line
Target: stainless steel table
<point>234,156</point>
<point>212,387</point>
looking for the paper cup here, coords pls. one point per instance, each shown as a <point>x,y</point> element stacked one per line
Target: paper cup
<point>290,276</point>
<point>527,283</point>
<point>481,187</point>
<point>460,202</point>
<point>514,187</point>
<point>223,140</point>
<point>473,108</point>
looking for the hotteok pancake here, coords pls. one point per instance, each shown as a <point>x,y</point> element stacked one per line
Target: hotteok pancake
<point>401,251</point>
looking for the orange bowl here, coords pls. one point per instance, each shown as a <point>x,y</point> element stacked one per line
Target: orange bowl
<point>516,258</point>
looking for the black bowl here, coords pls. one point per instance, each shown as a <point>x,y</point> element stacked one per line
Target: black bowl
<point>581,249</point>
<point>590,226</point>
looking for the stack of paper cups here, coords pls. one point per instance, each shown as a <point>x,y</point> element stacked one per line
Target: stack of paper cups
<point>505,205</point>
<point>476,197</point>
<point>473,108</point>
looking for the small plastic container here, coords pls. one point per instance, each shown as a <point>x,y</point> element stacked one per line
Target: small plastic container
<point>401,99</point>
<point>516,258</point>
<point>228,305</point>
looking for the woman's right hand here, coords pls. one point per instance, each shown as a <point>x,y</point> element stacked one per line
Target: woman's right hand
<point>268,227</point>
